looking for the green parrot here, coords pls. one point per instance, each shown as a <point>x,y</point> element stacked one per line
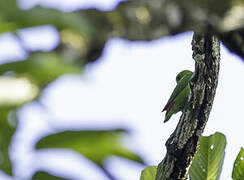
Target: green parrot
<point>179,96</point>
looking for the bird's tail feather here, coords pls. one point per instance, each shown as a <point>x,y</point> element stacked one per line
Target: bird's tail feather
<point>167,116</point>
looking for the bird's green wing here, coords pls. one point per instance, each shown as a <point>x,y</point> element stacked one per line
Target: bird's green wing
<point>182,83</point>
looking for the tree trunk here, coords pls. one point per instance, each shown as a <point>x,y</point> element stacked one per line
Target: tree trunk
<point>182,144</point>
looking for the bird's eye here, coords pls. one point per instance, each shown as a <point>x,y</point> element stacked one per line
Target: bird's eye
<point>178,78</point>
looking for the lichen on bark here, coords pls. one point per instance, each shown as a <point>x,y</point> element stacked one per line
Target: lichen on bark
<point>183,142</point>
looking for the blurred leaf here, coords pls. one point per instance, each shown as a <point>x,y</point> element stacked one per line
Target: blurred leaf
<point>12,19</point>
<point>149,173</point>
<point>6,132</point>
<point>41,68</point>
<point>9,12</point>
<point>207,163</point>
<point>40,175</point>
<point>7,26</point>
<point>238,168</point>
<point>95,145</point>
<point>16,91</point>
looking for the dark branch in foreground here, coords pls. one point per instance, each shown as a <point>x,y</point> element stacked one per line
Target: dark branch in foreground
<point>183,143</point>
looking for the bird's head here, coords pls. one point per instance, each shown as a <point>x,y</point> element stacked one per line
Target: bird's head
<point>181,74</point>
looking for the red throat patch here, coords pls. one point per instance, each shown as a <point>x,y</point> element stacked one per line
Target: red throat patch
<point>169,106</point>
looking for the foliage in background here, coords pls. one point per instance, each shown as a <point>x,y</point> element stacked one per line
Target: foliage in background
<point>33,74</point>
<point>95,145</point>
<point>40,175</point>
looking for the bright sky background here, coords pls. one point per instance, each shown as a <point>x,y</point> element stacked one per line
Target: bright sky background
<point>127,87</point>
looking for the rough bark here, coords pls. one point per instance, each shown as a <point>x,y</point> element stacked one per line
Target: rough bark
<point>182,144</point>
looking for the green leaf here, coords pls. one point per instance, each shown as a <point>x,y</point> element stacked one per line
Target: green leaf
<point>95,145</point>
<point>208,161</point>
<point>9,12</point>
<point>41,68</point>
<point>7,128</point>
<point>40,175</point>
<point>149,173</point>
<point>238,168</point>
<point>7,26</point>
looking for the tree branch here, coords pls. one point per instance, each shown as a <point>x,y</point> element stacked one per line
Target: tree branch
<point>182,144</point>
